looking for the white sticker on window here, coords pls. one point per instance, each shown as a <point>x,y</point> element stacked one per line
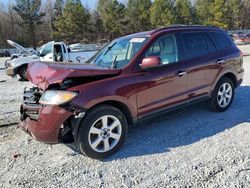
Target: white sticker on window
<point>139,40</point>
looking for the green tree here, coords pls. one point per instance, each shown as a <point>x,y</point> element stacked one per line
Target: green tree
<point>113,15</point>
<point>98,31</point>
<point>58,8</point>
<point>218,10</point>
<point>234,13</point>
<point>184,12</point>
<point>202,10</point>
<point>73,24</point>
<point>245,14</point>
<point>138,13</point>
<point>222,13</point>
<point>31,17</point>
<point>162,13</point>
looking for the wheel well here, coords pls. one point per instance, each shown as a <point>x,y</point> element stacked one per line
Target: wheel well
<point>232,77</point>
<point>19,68</point>
<point>124,109</point>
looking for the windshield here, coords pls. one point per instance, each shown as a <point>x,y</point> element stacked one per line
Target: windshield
<point>119,52</point>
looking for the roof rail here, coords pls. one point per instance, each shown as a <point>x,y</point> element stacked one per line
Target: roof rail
<point>169,27</point>
<point>178,26</point>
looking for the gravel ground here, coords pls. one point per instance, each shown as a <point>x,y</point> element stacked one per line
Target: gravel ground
<point>192,147</point>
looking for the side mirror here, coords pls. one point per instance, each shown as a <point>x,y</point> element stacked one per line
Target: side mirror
<point>150,62</point>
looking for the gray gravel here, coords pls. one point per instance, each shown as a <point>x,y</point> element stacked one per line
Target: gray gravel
<point>192,147</point>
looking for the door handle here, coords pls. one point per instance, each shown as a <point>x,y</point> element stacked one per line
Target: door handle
<point>220,61</point>
<point>181,73</point>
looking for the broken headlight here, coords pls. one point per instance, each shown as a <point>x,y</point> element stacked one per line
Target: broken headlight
<point>56,97</point>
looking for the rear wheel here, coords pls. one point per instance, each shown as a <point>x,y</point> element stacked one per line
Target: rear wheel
<point>102,132</point>
<point>223,95</point>
<point>23,73</point>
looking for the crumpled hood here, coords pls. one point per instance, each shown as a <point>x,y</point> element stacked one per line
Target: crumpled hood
<point>43,74</point>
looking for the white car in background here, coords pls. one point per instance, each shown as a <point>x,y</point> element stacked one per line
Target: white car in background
<point>49,52</point>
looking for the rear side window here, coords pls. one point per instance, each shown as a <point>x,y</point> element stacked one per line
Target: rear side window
<point>221,40</point>
<point>197,44</point>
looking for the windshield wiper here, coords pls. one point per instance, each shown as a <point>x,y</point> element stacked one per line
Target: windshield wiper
<point>114,63</point>
<point>109,48</point>
<point>103,53</point>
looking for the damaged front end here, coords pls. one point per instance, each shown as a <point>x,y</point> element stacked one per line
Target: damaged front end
<point>45,123</point>
<point>48,116</point>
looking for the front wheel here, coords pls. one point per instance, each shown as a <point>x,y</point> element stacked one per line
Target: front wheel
<point>23,73</point>
<point>223,95</point>
<point>6,64</point>
<point>102,132</point>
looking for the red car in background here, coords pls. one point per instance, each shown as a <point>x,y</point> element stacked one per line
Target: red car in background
<point>242,39</point>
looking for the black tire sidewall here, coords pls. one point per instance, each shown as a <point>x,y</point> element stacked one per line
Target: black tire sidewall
<point>23,73</point>
<point>83,132</point>
<point>214,100</point>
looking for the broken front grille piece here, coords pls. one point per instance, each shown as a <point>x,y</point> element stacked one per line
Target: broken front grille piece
<point>30,107</point>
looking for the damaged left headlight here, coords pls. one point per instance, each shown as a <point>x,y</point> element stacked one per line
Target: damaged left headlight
<point>56,97</point>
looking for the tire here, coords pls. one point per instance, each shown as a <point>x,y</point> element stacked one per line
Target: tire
<point>98,139</point>
<point>6,64</point>
<point>223,95</point>
<point>23,73</point>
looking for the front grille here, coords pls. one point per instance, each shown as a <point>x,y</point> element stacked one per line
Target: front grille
<point>32,95</point>
<point>31,106</point>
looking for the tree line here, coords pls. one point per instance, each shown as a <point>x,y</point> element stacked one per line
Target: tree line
<point>31,22</point>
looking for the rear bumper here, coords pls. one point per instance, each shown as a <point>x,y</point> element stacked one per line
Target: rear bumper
<point>240,77</point>
<point>46,127</point>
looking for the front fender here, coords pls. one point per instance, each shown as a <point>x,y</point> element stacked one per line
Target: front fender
<point>87,104</point>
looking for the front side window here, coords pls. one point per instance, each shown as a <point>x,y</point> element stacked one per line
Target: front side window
<point>164,47</point>
<point>119,52</point>
<point>197,44</point>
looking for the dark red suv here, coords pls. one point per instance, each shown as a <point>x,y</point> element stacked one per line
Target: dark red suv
<point>134,77</point>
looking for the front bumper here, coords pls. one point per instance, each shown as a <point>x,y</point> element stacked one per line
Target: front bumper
<point>41,122</point>
<point>11,71</point>
<point>46,127</point>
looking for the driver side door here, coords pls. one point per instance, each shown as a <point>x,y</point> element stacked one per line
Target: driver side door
<point>163,86</point>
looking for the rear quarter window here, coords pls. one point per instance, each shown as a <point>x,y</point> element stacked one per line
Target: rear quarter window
<point>221,40</point>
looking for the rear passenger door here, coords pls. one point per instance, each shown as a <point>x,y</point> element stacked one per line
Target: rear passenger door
<point>200,57</point>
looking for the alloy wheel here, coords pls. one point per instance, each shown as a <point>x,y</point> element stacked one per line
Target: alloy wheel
<point>105,133</point>
<point>225,94</point>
